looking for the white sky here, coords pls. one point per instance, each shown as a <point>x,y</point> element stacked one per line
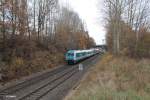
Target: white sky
<point>89,11</point>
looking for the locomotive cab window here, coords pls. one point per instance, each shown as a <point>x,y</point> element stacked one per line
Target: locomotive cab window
<point>70,54</point>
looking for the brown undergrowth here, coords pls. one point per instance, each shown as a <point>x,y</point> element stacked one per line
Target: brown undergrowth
<point>116,78</point>
<point>26,58</point>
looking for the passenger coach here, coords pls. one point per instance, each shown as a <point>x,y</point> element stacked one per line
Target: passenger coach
<point>74,56</point>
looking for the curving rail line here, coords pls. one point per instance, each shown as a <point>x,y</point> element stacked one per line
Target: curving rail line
<point>37,87</point>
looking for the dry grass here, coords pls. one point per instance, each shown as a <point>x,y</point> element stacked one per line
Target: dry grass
<point>116,78</point>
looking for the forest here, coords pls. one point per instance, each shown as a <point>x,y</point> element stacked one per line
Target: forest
<point>128,27</point>
<point>35,34</point>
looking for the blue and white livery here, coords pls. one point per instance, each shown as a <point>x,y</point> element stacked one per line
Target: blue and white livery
<point>74,56</point>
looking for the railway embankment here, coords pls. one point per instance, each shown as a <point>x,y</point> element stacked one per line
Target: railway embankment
<point>115,78</point>
<point>27,60</point>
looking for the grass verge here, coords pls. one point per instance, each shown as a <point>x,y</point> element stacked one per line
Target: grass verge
<point>116,78</point>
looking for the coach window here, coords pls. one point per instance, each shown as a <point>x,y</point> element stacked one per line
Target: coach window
<point>78,54</point>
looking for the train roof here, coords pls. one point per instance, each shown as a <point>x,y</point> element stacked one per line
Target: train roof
<point>78,51</point>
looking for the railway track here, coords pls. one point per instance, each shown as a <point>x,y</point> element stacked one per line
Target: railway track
<point>32,86</point>
<point>24,84</point>
<point>40,92</point>
<point>38,87</point>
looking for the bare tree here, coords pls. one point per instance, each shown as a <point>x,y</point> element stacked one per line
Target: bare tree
<point>115,10</point>
<point>3,4</point>
<point>137,14</point>
<point>129,13</point>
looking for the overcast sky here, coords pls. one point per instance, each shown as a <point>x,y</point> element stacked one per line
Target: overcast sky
<point>90,12</point>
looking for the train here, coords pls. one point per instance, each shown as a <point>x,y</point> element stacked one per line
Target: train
<point>75,56</point>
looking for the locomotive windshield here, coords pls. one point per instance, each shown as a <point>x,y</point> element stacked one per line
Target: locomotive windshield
<point>70,54</point>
